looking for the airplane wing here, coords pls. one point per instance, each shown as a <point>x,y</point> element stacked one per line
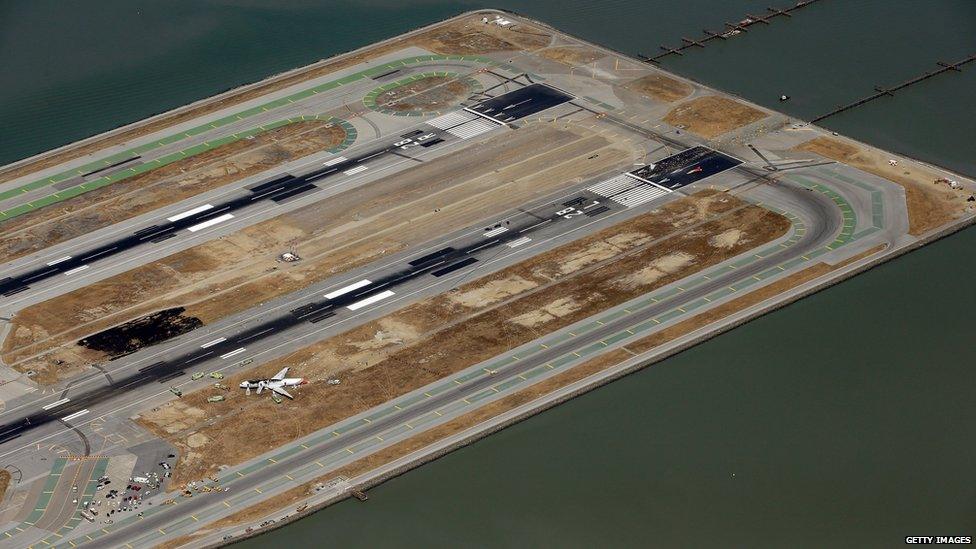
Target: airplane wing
<point>281,375</point>
<point>260,387</point>
<point>282,392</point>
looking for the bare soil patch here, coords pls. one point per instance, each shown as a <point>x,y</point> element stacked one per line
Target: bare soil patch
<point>4,482</point>
<point>163,186</point>
<point>713,115</point>
<point>432,93</point>
<point>228,275</point>
<point>411,361</point>
<point>930,204</point>
<point>464,36</point>
<point>572,56</point>
<point>661,87</point>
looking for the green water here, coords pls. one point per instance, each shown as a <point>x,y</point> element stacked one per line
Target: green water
<point>846,419</point>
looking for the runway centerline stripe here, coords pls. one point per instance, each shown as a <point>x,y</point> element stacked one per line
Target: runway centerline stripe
<point>56,261</point>
<point>75,415</point>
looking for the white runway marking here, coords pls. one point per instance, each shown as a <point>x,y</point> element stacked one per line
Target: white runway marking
<point>370,300</point>
<point>612,186</point>
<point>74,415</point>
<point>346,289</point>
<point>56,404</point>
<point>649,182</point>
<point>214,342</point>
<point>56,261</point>
<point>335,161</point>
<point>472,128</point>
<point>210,223</point>
<point>356,170</point>
<point>450,119</point>
<point>75,270</point>
<point>232,353</point>
<point>188,213</point>
<point>493,232</point>
<point>638,196</point>
<point>519,242</point>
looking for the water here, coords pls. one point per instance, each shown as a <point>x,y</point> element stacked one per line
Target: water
<point>846,419</point>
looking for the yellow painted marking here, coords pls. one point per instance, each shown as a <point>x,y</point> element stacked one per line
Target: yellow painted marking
<point>543,345</point>
<point>160,530</point>
<point>548,366</point>
<point>805,258</point>
<point>458,382</point>
<point>780,267</point>
<point>466,401</point>
<point>320,465</point>
<point>631,332</point>
<point>680,289</point>
<point>628,311</point>
<point>438,413</point>
<point>577,354</point>
<point>304,446</point>
<point>428,395</point>
<point>397,406</point>
<point>335,433</point>
<point>706,299</point>
<point>656,321</point>
<point>367,420</point>
<point>408,425</point>
<point>523,378</point>
<point>194,518</point>
<point>605,344</point>
<point>682,310</point>
<point>272,460</point>
<point>379,438</point>
<point>600,323</point>
<point>350,451</point>
<point>289,477</point>
<point>225,504</point>
<point>89,537</point>
<point>258,490</point>
<point>240,474</point>
<point>572,334</point>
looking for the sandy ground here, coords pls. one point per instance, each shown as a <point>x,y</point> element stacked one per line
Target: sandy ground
<point>414,346</point>
<point>432,93</point>
<point>227,275</point>
<point>163,186</point>
<point>930,204</point>
<point>660,87</point>
<point>713,115</point>
<point>4,482</point>
<point>572,56</point>
<point>464,36</point>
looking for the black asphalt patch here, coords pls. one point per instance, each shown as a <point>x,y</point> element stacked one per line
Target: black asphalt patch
<point>686,167</point>
<point>522,102</point>
<point>451,268</point>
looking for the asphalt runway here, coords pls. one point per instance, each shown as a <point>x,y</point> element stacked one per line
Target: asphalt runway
<point>528,100</point>
<point>446,260</point>
<point>822,218</point>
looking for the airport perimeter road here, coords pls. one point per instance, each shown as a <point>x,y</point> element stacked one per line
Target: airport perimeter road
<point>818,213</point>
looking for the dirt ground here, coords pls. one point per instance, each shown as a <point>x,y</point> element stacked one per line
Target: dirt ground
<point>464,36</point>
<point>432,93</point>
<point>602,362</point>
<point>4,482</point>
<point>713,115</point>
<point>227,275</point>
<point>412,347</point>
<point>930,204</point>
<point>572,56</point>
<point>660,87</point>
<point>163,186</point>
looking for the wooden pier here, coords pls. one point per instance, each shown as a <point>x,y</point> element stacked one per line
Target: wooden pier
<point>730,30</point>
<point>882,92</point>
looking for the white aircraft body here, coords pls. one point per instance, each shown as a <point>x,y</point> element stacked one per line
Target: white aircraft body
<point>276,384</point>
